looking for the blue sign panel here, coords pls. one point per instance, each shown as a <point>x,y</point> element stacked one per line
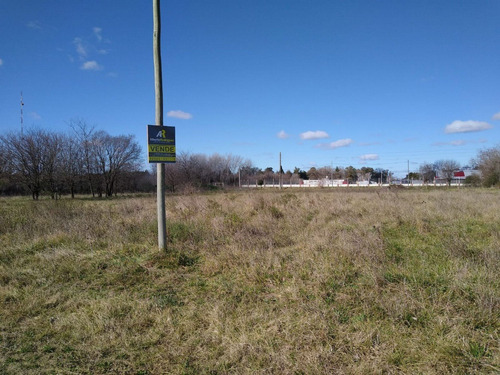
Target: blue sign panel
<point>161,144</point>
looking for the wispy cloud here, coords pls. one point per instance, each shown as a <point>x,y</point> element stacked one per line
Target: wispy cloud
<point>369,157</point>
<point>35,25</point>
<point>336,144</point>
<point>458,142</point>
<point>86,49</point>
<point>91,65</point>
<point>1,62</point>
<point>318,134</point>
<point>81,49</point>
<point>410,139</point>
<point>283,135</point>
<point>369,143</point>
<point>97,33</point>
<point>496,116</point>
<point>466,126</point>
<point>35,116</point>
<point>180,115</point>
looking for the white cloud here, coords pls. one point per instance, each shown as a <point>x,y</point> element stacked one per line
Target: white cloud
<point>496,116</point>
<point>336,144</point>
<point>458,142</point>
<point>1,62</point>
<point>180,114</point>
<point>97,32</point>
<point>35,25</point>
<point>91,65</point>
<point>35,116</point>
<point>466,126</point>
<point>369,143</point>
<point>318,134</point>
<point>369,157</point>
<point>283,135</point>
<point>81,50</point>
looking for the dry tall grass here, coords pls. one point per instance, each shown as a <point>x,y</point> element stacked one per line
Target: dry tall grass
<point>255,282</point>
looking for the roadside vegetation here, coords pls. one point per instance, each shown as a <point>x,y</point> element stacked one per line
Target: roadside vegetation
<point>316,281</point>
<point>92,162</point>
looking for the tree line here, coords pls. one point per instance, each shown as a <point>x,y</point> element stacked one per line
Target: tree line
<point>252,175</point>
<point>200,171</point>
<point>89,161</point>
<point>486,164</point>
<point>84,160</point>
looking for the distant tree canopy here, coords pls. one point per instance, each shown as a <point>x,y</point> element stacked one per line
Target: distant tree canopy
<point>202,171</point>
<point>488,162</point>
<point>197,170</point>
<point>446,169</point>
<point>81,161</point>
<point>428,172</point>
<point>90,161</point>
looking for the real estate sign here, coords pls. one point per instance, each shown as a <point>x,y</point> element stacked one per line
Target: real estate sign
<point>161,144</point>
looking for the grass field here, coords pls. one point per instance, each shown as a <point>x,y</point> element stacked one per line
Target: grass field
<point>319,281</point>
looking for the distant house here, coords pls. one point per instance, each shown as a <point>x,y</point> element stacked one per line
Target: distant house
<point>459,176</point>
<point>463,174</point>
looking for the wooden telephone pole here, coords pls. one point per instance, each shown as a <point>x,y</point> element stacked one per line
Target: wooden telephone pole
<point>160,167</point>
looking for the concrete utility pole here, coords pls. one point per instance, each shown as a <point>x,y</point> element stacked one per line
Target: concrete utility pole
<point>160,167</point>
<point>280,175</point>
<point>408,173</point>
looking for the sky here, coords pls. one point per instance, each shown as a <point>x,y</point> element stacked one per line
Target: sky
<point>385,84</point>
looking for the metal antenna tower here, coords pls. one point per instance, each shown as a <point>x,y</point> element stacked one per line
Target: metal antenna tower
<point>22,120</point>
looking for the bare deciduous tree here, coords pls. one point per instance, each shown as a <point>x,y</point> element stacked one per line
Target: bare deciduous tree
<point>447,169</point>
<point>114,155</point>
<point>4,164</point>
<point>52,144</point>
<point>26,157</point>
<point>72,163</point>
<point>427,172</point>
<point>488,162</point>
<point>84,134</point>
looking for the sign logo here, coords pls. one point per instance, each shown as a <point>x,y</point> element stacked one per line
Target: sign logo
<point>161,134</point>
<point>161,144</point>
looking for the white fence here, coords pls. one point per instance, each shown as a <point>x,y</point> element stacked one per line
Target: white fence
<point>342,184</point>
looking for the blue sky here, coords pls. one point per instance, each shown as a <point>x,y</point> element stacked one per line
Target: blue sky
<point>361,83</point>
